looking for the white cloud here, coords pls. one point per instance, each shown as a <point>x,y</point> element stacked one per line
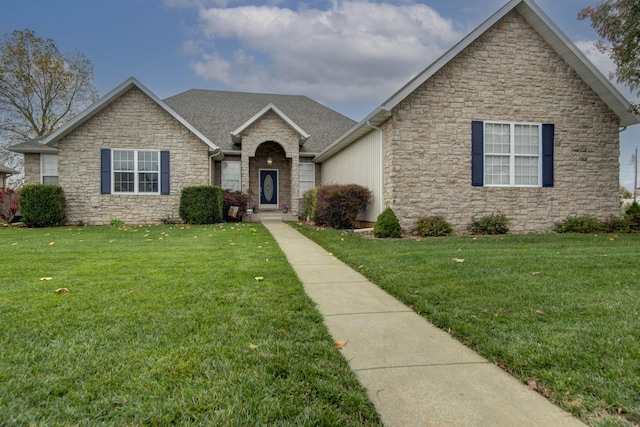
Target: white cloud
<point>354,51</point>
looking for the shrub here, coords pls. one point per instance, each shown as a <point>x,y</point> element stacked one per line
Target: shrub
<point>632,215</point>
<point>338,206</point>
<point>387,225</point>
<point>201,204</point>
<point>9,204</point>
<point>310,204</point>
<point>579,224</point>
<point>42,205</point>
<point>234,198</point>
<point>489,224</point>
<point>116,223</point>
<point>616,224</point>
<point>434,226</point>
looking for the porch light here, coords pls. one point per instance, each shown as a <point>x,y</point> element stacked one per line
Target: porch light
<point>269,161</point>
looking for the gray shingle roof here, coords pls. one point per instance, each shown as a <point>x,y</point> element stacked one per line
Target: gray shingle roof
<point>217,113</point>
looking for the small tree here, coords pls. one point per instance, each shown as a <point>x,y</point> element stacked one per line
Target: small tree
<point>9,204</point>
<point>618,23</point>
<point>387,225</point>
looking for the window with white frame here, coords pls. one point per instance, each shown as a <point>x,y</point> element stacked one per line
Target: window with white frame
<point>231,175</point>
<point>512,154</point>
<point>49,168</point>
<point>307,177</point>
<point>136,171</point>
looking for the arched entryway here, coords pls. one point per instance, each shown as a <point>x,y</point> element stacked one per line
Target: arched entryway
<point>270,175</point>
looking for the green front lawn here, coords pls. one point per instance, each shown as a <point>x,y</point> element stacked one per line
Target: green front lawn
<point>560,312</point>
<point>164,325</point>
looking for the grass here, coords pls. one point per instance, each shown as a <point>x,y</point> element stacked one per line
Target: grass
<point>562,311</point>
<point>200,325</point>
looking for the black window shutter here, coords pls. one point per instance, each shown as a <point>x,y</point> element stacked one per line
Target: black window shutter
<point>477,153</point>
<point>547,154</point>
<point>164,172</point>
<point>105,171</point>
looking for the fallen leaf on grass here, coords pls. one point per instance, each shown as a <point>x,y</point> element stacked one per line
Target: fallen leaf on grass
<point>62,290</point>
<point>42,279</point>
<point>540,312</point>
<point>15,244</point>
<point>458,259</point>
<point>52,243</point>
<point>535,273</point>
<point>253,346</point>
<point>501,365</point>
<point>531,385</point>
<point>259,278</point>
<point>340,344</point>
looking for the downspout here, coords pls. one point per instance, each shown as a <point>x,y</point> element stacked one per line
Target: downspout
<point>211,171</point>
<point>381,183</point>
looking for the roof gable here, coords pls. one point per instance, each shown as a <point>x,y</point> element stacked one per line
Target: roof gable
<point>542,24</point>
<point>236,134</point>
<point>47,143</point>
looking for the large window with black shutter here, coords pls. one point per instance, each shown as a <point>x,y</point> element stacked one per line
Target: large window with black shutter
<point>134,171</point>
<point>511,154</point>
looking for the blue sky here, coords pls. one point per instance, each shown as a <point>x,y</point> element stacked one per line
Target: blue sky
<point>349,55</point>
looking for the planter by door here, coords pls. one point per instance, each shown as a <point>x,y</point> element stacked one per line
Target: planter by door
<point>268,189</point>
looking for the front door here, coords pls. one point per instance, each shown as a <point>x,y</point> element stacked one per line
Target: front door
<point>268,189</point>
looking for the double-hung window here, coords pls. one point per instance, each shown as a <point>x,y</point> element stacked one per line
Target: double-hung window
<point>508,154</point>
<point>512,154</point>
<point>231,175</point>
<point>49,168</point>
<point>136,171</point>
<point>307,177</point>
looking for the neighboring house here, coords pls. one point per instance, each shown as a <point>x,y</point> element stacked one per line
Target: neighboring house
<point>513,119</point>
<point>6,172</point>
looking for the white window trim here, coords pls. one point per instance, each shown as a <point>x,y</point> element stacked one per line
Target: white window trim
<point>512,155</point>
<point>42,174</point>
<point>313,168</point>
<point>136,172</point>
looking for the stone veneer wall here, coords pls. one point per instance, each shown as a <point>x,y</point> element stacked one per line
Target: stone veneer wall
<point>285,155</point>
<point>133,121</point>
<point>508,74</point>
<point>32,168</point>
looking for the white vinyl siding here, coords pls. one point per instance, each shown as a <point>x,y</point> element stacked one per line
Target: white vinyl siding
<point>512,154</point>
<point>307,177</point>
<point>359,163</point>
<point>231,175</point>
<point>49,168</point>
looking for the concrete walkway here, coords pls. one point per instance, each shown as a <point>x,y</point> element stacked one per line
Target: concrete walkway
<point>415,374</point>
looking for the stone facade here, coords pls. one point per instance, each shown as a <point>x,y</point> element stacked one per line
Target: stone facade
<point>133,121</point>
<point>508,74</point>
<point>270,136</point>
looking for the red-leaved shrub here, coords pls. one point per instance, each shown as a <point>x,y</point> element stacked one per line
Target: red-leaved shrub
<point>9,204</point>
<point>338,206</point>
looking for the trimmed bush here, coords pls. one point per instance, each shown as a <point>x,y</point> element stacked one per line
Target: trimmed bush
<point>489,224</point>
<point>309,205</point>
<point>234,198</point>
<point>434,226</point>
<point>387,225</point>
<point>579,224</point>
<point>338,206</point>
<point>42,205</point>
<point>201,204</point>
<point>632,216</point>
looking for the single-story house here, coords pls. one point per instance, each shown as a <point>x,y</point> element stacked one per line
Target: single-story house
<point>6,172</point>
<point>513,119</point>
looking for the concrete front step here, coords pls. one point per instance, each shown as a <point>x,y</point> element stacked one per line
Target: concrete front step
<point>270,216</point>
